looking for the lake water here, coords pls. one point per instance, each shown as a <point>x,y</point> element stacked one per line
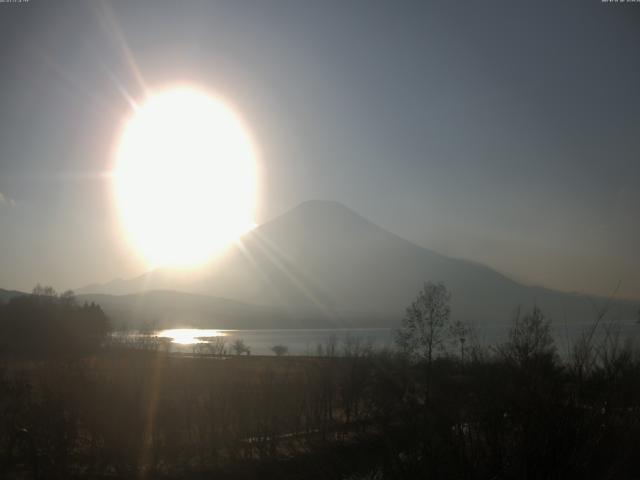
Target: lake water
<point>298,341</point>
<point>306,341</point>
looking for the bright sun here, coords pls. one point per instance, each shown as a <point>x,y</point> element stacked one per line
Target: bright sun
<point>185,178</point>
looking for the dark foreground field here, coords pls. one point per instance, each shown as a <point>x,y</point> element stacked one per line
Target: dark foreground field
<point>77,403</point>
<point>123,413</point>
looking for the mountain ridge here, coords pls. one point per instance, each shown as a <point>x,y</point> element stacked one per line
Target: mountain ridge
<point>323,260</point>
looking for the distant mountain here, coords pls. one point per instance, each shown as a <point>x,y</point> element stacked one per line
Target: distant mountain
<point>325,262</point>
<point>117,286</point>
<point>170,309</point>
<point>6,295</point>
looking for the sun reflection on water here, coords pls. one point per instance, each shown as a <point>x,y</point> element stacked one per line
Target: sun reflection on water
<point>190,336</point>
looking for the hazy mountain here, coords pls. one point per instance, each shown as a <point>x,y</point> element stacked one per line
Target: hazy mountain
<point>321,260</point>
<point>170,309</point>
<point>6,295</point>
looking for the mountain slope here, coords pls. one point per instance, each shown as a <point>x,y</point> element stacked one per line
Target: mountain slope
<point>6,295</point>
<point>170,309</point>
<point>322,260</point>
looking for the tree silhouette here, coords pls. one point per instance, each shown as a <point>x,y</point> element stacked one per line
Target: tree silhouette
<point>239,347</point>
<point>424,327</point>
<point>45,323</point>
<point>280,350</point>
<point>459,332</point>
<point>530,340</point>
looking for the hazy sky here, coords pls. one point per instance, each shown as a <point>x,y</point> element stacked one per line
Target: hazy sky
<point>505,132</point>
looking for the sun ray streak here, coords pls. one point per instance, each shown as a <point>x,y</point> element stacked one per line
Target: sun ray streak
<point>78,87</point>
<point>251,258</point>
<point>151,411</point>
<point>110,24</point>
<point>120,88</point>
<point>298,279</point>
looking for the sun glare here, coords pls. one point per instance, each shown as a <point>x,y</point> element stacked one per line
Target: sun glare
<point>190,336</point>
<point>185,178</point>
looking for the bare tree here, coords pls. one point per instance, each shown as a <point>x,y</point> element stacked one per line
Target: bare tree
<point>280,350</point>
<point>584,355</point>
<point>239,347</point>
<point>68,298</point>
<point>44,291</point>
<point>459,333</point>
<point>530,339</point>
<point>356,347</point>
<point>219,346</point>
<point>329,348</point>
<point>424,327</point>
